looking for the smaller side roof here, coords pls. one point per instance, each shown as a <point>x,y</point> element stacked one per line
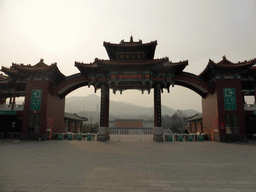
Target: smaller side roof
<point>39,67</point>
<point>74,116</point>
<point>10,71</point>
<point>3,77</point>
<point>224,65</point>
<point>197,117</point>
<point>21,70</point>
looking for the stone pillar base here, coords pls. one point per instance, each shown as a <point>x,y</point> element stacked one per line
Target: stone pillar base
<point>158,134</point>
<point>34,136</point>
<point>102,134</point>
<point>107,133</point>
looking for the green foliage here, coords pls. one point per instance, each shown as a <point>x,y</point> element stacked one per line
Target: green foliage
<point>175,123</point>
<point>90,128</point>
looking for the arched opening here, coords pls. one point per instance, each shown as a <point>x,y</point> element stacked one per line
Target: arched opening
<point>131,104</point>
<point>11,116</point>
<point>182,98</point>
<point>184,103</point>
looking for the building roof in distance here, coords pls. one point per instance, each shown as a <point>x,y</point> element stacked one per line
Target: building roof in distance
<point>74,116</point>
<point>197,117</point>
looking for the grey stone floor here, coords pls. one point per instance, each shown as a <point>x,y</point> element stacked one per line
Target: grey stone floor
<point>127,166</point>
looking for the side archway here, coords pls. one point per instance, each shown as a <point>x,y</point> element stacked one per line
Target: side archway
<point>193,82</point>
<point>70,84</point>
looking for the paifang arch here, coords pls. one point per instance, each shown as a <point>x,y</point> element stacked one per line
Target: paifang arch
<point>131,65</point>
<point>184,79</point>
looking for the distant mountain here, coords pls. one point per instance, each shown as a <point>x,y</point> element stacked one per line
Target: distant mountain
<point>90,105</point>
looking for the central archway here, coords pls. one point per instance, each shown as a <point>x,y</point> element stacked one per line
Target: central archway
<point>132,66</point>
<point>184,79</point>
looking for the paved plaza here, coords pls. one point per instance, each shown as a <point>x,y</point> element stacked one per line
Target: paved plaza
<point>126,166</point>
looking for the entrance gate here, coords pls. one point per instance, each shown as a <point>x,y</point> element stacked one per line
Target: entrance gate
<point>131,135</point>
<point>131,65</point>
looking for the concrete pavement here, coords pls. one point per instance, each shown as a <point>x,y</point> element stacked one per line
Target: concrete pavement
<point>126,166</point>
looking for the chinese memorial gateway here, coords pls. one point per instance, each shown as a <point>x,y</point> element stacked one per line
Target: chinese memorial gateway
<point>131,65</point>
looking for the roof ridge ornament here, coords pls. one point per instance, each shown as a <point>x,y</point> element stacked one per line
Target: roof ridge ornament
<point>131,39</point>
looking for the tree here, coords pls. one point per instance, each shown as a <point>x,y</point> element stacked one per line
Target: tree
<point>90,128</point>
<point>175,123</point>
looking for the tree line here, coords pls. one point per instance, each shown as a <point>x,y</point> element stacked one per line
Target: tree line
<point>176,123</point>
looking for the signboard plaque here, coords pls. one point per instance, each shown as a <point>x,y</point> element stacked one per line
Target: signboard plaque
<point>7,112</point>
<point>36,97</point>
<point>229,99</point>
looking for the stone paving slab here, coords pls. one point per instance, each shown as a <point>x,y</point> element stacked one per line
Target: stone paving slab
<point>91,166</point>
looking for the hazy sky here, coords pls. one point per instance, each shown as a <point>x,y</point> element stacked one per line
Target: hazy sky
<point>69,31</point>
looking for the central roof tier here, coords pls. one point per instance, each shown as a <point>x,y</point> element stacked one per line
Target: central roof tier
<point>131,56</point>
<point>143,50</point>
<point>157,65</point>
<point>131,66</point>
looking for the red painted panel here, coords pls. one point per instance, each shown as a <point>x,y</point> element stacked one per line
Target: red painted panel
<point>113,76</point>
<point>147,76</point>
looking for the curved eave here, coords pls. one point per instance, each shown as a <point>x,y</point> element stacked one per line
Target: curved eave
<point>85,65</point>
<point>205,73</point>
<point>147,48</point>
<point>128,44</point>
<point>74,116</point>
<point>115,63</point>
<point>197,117</point>
<point>61,75</point>
<point>173,67</point>
<point>9,72</point>
<point>28,68</point>
<point>3,77</point>
<point>89,68</point>
<point>224,65</point>
<point>40,69</point>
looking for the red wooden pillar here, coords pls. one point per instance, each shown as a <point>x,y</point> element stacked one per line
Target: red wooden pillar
<point>157,106</point>
<point>14,96</point>
<point>254,86</point>
<point>103,131</point>
<point>158,129</point>
<point>2,100</point>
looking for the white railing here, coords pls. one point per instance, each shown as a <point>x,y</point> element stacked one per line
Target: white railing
<point>8,107</point>
<point>250,107</point>
<point>131,135</point>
